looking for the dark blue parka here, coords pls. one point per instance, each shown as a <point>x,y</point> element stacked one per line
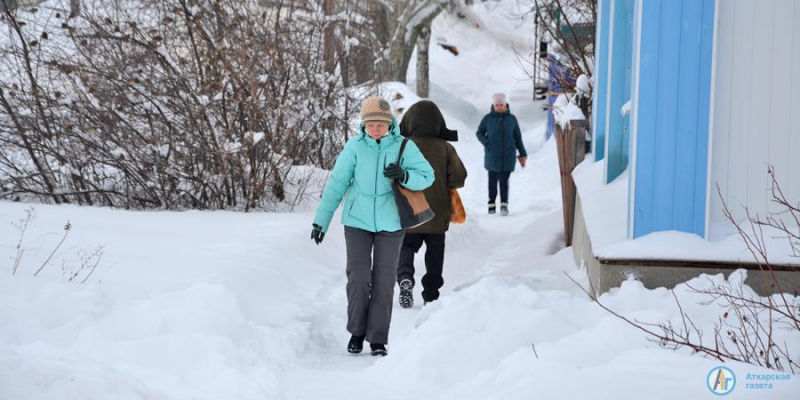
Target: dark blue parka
<point>501,138</point>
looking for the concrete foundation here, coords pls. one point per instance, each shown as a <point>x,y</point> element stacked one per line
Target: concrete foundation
<point>605,274</point>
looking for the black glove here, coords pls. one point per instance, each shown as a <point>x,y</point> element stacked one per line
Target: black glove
<point>393,171</point>
<point>317,234</point>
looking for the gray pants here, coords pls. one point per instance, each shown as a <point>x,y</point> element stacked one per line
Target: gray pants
<point>370,281</point>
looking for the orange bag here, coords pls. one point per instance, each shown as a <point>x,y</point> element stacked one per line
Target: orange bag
<point>457,213</point>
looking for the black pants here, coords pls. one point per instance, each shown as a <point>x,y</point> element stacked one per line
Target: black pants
<point>502,178</point>
<point>434,262</point>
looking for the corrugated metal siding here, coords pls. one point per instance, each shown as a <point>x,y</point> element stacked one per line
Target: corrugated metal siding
<point>637,38</point>
<point>793,190</point>
<point>757,106</point>
<point>671,144</point>
<point>618,134</point>
<point>601,82</point>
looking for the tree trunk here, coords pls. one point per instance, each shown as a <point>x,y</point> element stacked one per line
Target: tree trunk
<point>7,5</point>
<point>393,32</point>
<point>329,51</point>
<point>329,58</point>
<point>423,44</point>
<point>344,67</point>
<point>363,64</point>
<point>395,66</point>
<point>74,8</point>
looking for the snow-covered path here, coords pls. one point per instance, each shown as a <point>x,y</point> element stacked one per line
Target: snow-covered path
<point>221,305</point>
<point>485,246</point>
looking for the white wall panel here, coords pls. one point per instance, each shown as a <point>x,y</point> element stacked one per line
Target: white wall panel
<point>757,106</point>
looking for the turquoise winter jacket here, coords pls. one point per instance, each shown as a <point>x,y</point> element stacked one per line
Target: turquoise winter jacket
<point>359,173</point>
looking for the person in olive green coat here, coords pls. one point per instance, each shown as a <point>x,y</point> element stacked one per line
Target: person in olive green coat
<point>373,235</point>
<point>424,125</point>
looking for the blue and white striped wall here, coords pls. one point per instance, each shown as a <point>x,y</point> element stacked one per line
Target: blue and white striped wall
<point>620,73</point>
<point>601,60</point>
<point>714,87</point>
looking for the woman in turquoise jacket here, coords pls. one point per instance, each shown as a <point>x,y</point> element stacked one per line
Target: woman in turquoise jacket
<point>364,171</point>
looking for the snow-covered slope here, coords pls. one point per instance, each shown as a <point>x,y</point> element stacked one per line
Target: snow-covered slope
<point>201,305</point>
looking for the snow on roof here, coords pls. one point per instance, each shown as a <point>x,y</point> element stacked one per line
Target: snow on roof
<point>605,211</point>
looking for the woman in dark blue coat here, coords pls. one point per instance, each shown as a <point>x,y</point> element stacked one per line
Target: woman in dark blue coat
<point>499,132</point>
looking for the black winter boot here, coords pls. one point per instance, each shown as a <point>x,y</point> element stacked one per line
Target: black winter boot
<point>406,296</point>
<point>378,349</point>
<point>492,208</point>
<point>356,344</point>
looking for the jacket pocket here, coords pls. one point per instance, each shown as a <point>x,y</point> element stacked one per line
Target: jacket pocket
<point>359,211</point>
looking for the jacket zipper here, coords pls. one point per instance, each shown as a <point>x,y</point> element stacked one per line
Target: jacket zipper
<point>375,191</point>
<point>503,153</point>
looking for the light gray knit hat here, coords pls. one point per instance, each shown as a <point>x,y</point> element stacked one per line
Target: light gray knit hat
<point>499,98</point>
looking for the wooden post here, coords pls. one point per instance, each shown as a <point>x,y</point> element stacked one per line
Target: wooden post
<point>571,152</point>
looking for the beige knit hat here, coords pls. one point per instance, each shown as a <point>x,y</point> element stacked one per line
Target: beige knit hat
<point>376,109</point>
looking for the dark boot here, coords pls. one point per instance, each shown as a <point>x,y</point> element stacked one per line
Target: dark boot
<point>492,208</point>
<point>356,344</point>
<point>406,296</point>
<point>503,209</point>
<point>378,349</point>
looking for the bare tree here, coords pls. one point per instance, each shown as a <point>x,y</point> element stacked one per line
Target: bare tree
<point>190,103</point>
<point>170,104</point>
<point>423,45</point>
<point>74,7</point>
<point>398,24</point>
<point>566,27</point>
<point>6,5</point>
